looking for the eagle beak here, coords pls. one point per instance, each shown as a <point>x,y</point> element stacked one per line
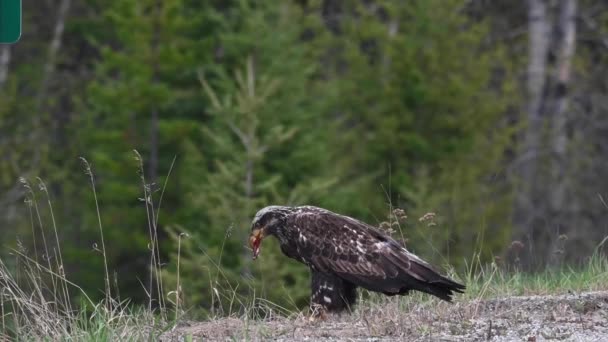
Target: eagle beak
<point>255,240</point>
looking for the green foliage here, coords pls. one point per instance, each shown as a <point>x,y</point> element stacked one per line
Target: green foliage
<point>269,102</point>
<point>415,115</point>
<point>428,127</point>
<point>236,186</point>
<point>142,92</point>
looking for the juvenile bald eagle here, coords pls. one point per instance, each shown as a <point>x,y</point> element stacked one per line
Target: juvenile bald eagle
<point>344,253</point>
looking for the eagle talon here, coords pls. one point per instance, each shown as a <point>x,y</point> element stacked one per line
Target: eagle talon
<point>318,314</point>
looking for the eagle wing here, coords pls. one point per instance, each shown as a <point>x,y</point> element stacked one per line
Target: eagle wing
<point>362,255</point>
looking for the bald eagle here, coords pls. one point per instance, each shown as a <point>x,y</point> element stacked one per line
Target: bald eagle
<point>343,254</point>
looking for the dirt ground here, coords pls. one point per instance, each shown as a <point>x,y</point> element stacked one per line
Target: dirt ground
<point>568,317</point>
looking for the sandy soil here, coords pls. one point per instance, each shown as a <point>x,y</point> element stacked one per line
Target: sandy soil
<point>569,317</point>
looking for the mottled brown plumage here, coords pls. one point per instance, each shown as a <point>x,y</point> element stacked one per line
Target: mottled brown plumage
<point>344,253</point>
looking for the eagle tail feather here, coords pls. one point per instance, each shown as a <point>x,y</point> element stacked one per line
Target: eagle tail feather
<point>427,280</point>
<point>412,273</point>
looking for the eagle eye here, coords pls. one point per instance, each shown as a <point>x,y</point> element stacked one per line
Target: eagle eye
<point>258,225</point>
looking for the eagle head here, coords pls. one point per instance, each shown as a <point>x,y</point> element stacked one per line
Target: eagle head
<point>268,221</point>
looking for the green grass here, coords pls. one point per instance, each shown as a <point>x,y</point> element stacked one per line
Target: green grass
<point>37,299</point>
<point>42,313</point>
<point>490,281</point>
<point>494,282</point>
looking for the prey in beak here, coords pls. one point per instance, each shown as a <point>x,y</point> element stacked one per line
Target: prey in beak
<point>255,240</point>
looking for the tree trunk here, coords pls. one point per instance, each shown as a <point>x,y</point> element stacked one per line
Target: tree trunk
<point>541,205</point>
<point>54,47</point>
<point>538,48</point>
<point>566,34</point>
<point>5,59</point>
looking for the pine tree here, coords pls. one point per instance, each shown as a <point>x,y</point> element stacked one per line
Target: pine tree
<point>265,145</point>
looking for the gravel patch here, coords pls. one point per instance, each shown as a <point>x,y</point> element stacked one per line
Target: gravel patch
<point>568,317</point>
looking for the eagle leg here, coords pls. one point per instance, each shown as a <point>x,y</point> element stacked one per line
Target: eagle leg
<point>330,293</point>
<point>318,313</point>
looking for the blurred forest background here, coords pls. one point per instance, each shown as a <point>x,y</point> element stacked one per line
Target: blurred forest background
<point>491,114</point>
